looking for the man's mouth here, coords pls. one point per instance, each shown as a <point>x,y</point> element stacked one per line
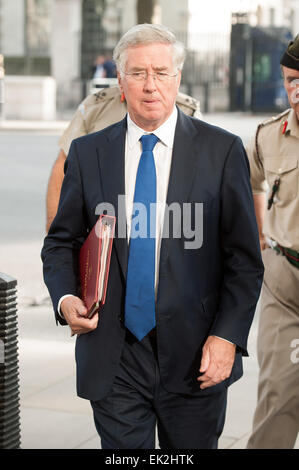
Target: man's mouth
<point>151,101</point>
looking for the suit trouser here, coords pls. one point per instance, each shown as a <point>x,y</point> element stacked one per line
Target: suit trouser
<point>276,419</point>
<point>127,417</point>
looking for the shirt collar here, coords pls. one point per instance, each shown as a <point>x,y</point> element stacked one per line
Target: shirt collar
<point>293,125</point>
<point>165,132</point>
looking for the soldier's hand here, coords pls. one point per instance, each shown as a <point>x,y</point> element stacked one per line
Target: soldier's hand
<point>74,312</point>
<point>263,243</point>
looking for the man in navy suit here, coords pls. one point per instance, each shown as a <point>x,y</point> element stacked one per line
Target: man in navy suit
<point>181,296</point>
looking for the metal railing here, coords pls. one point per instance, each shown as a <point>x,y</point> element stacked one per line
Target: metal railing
<point>9,365</point>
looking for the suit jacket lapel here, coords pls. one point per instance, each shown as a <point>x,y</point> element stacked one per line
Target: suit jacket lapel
<point>183,161</point>
<point>183,169</point>
<point>111,159</point>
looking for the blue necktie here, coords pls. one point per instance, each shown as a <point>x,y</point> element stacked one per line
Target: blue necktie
<point>140,289</point>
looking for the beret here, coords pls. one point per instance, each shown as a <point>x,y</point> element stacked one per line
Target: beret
<point>291,56</point>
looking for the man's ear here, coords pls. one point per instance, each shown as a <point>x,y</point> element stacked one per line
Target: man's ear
<point>120,82</point>
<point>179,79</point>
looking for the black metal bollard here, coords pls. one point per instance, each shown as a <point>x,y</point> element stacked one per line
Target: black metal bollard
<point>9,365</point>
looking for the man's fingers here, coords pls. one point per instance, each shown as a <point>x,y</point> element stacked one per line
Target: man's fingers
<point>84,325</point>
<point>213,376</point>
<point>208,384</point>
<point>78,308</point>
<point>205,361</point>
<point>81,310</point>
<point>210,374</point>
<point>263,245</point>
<point>88,323</point>
<point>71,306</point>
<point>74,311</point>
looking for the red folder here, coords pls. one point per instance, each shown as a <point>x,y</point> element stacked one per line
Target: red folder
<point>94,263</point>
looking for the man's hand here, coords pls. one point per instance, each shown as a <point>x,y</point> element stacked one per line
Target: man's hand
<point>263,243</point>
<point>217,361</point>
<point>74,312</point>
<point>260,204</point>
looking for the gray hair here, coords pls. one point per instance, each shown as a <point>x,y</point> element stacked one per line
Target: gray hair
<point>148,34</point>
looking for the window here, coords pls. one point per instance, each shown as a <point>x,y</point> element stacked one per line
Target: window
<point>38,27</point>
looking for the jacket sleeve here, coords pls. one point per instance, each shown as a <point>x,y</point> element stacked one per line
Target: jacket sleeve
<point>75,129</point>
<point>242,263</point>
<point>257,171</point>
<point>67,232</point>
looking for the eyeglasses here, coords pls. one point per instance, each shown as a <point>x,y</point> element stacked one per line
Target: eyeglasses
<point>143,76</point>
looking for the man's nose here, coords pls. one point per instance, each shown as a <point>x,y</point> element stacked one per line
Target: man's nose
<point>150,83</point>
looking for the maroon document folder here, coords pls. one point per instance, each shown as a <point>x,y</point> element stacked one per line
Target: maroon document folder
<point>94,263</point>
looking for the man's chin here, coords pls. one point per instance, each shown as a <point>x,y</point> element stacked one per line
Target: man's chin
<point>153,115</point>
<point>150,118</point>
<point>153,108</point>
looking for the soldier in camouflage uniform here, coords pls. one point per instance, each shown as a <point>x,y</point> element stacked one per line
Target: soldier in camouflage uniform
<point>96,112</point>
<point>274,161</point>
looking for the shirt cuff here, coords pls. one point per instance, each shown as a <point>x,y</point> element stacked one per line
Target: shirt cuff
<point>223,339</point>
<point>59,303</point>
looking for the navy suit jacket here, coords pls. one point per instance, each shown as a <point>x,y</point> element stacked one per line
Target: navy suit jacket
<point>211,290</point>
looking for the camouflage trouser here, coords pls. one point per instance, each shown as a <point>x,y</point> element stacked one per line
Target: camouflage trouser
<point>276,419</point>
